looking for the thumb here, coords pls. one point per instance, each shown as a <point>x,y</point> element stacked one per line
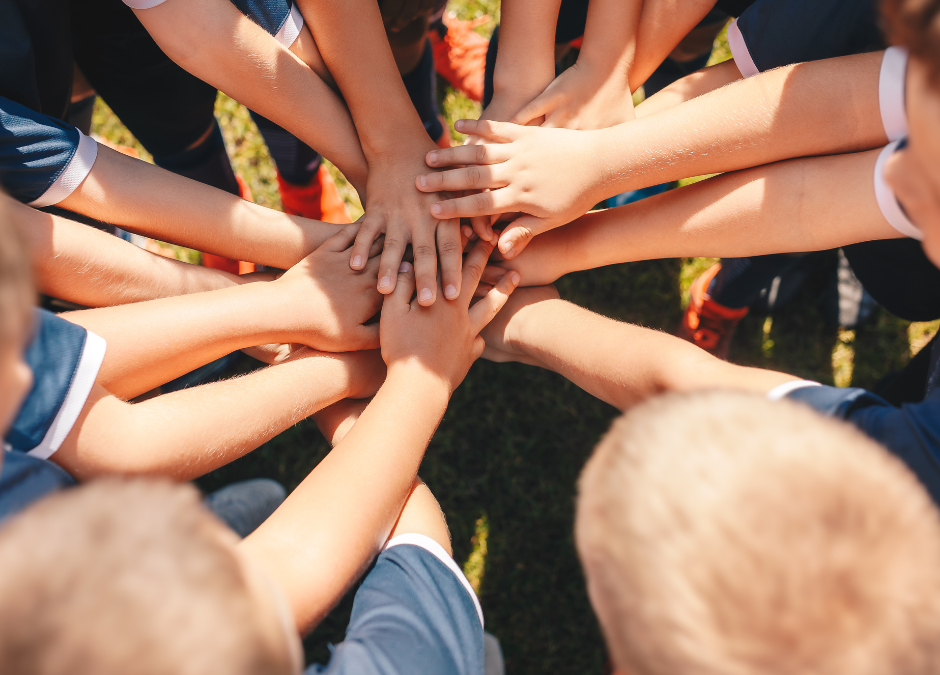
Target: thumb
<point>405,288</point>
<point>540,106</point>
<point>518,234</point>
<point>342,239</point>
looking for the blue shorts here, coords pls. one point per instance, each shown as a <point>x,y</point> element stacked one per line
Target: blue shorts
<point>415,613</point>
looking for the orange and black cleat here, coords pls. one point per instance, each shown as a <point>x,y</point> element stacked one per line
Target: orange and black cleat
<point>707,324</point>
<point>460,56</point>
<point>319,199</point>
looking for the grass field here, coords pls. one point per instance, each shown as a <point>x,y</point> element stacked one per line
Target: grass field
<point>506,458</point>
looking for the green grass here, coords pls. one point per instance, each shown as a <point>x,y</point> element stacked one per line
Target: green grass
<point>506,458</point>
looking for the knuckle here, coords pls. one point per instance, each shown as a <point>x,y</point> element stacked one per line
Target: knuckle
<point>474,176</point>
<point>479,201</point>
<point>448,246</point>
<point>423,251</point>
<point>479,152</point>
<point>475,269</point>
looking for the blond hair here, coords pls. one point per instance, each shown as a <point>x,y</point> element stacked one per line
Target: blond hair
<point>17,295</point>
<point>121,577</point>
<point>723,533</point>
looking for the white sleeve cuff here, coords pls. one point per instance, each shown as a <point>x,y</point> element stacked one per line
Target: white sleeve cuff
<point>783,390</point>
<point>435,549</point>
<point>739,51</point>
<point>72,176</point>
<point>888,202</point>
<point>143,4</point>
<point>82,381</point>
<point>891,93</point>
<point>291,28</point>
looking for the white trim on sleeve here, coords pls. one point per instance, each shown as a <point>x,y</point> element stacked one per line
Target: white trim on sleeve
<point>891,93</point>
<point>739,51</point>
<point>291,27</point>
<point>783,390</point>
<point>88,366</point>
<point>143,4</point>
<point>435,549</point>
<point>74,173</point>
<point>888,202</point>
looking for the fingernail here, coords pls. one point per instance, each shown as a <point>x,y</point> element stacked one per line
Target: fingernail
<point>458,125</point>
<point>489,233</point>
<point>385,282</point>
<point>404,267</point>
<point>450,292</point>
<point>436,209</point>
<point>357,261</point>
<point>506,247</point>
<point>424,295</point>
<point>467,232</point>
<point>514,278</point>
<point>432,157</point>
<point>423,180</point>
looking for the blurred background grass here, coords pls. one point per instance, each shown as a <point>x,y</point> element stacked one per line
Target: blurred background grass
<point>505,460</point>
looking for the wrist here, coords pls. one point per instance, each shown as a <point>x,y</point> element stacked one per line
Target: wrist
<point>410,373</point>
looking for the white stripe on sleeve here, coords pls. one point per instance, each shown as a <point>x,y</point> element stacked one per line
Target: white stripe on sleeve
<point>143,4</point>
<point>72,176</point>
<point>891,93</point>
<point>784,390</point>
<point>82,381</point>
<point>435,549</point>
<point>291,28</point>
<point>888,202</point>
<point>739,51</point>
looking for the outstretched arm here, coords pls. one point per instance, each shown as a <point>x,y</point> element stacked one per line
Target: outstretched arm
<point>329,529</point>
<point>810,204</point>
<point>619,363</point>
<point>748,123</point>
<point>215,42</point>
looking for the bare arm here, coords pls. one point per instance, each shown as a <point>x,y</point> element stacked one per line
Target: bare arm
<point>215,42</point>
<point>800,205</point>
<point>617,362</point>
<point>689,87</point>
<point>153,202</point>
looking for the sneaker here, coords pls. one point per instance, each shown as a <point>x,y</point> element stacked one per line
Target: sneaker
<point>460,56</point>
<point>707,324</point>
<point>218,262</point>
<point>444,140</point>
<point>319,199</point>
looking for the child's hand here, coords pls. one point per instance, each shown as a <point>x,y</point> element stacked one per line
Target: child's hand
<point>546,174</point>
<point>501,333</point>
<point>443,339</point>
<point>327,304</point>
<point>403,214</point>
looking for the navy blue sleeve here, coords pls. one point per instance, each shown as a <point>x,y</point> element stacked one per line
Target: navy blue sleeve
<point>269,14</point>
<point>25,479</point>
<point>412,614</point>
<point>781,32</point>
<point>35,151</point>
<point>65,359</point>
<point>911,432</point>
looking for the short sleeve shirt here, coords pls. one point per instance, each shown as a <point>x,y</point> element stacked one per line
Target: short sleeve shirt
<point>415,613</point>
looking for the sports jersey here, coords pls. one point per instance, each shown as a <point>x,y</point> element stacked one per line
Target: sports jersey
<point>415,612</point>
<point>911,431</point>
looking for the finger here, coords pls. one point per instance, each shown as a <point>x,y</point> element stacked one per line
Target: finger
<point>474,266</point>
<point>377,247</point>
<point>404,289</point>
<point>537,107</point>
<point>479,204</point>
<point>500,132</point>
<point>486,309</point>
<point>425,251</point>
<point>450,250</point>
<point>492,274</point>
<point>468,178</point>
<point>483,226</point>
<point>466,233</point>
<point>481,290</point>
<point>369,230</point>
<point>367,337</point>
<point>391,260</point>
<point>517,235</point>
<point>342,239</point>
<point>478,154</point>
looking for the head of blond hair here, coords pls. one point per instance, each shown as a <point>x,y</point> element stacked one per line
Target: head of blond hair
<point>121,577</point>
<point>725,534</point>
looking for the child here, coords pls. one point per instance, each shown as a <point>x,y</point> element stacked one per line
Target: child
<point>759,550</point>
<point>208,600</point>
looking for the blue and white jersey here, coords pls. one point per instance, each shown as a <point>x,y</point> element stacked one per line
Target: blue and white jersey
<point>911,432</point>
<point>65,360</point>
<point>42,159</point>
<point>280,18</point>
<point>415,612</point>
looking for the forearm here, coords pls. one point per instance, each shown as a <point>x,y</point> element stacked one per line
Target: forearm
<point>662,26</point>
<point>78,263</point>
<point>188,433</point>
<point>216,43</point>
<point>329,529</point>
<point>748,123</point>
<point>150,343</point>
<point>796,206</point>
<point>610,36</point>
<point>623,363</point>
<point>150,201</point>
<point>351,38</point>
<point>689,87</point>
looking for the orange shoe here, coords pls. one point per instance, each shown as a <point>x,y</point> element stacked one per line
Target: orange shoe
<point>217,262</point>
<point>706,323</point>
<point>444,140</point>
<point>319,199</point>
<point>460,57</point>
